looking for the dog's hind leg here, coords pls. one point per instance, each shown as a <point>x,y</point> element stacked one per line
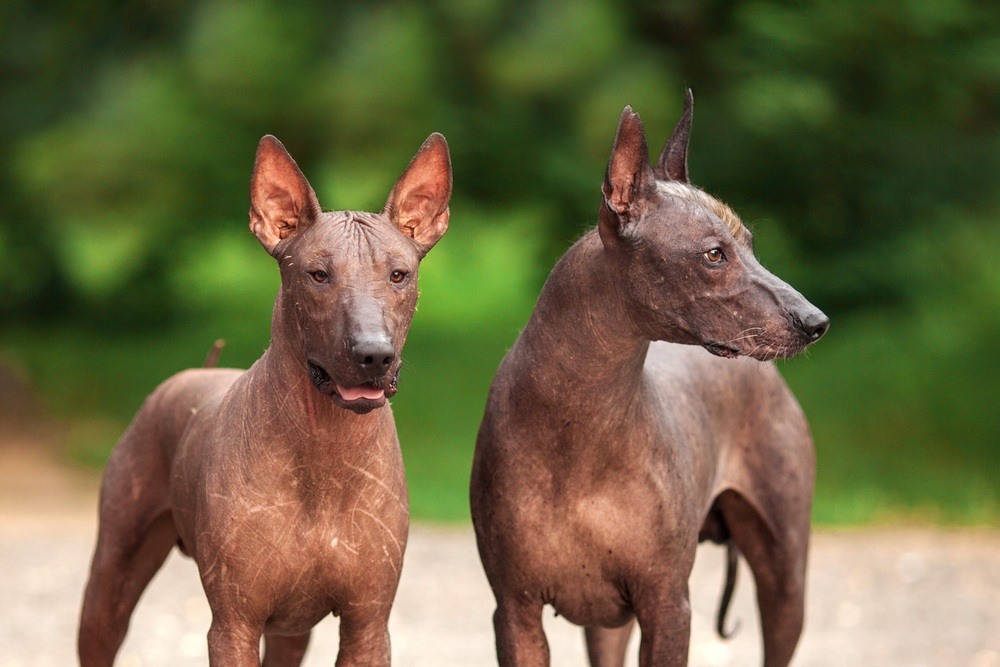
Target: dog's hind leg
<point>606,647</point>
<point>285,650</point>
<point>777,558</point>
<point>135,536</point>
<point>124,563</point>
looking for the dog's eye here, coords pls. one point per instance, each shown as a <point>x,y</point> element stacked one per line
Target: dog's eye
<point>319,276</point>
<point>397,277</point>
<point>715,256</point>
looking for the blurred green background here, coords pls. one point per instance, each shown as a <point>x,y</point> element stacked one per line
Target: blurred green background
<point>860,141</point>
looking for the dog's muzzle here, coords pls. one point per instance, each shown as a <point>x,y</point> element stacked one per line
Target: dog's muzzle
<point>360,397</point>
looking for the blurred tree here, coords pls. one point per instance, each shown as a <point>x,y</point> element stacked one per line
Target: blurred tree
<point>860,140</point>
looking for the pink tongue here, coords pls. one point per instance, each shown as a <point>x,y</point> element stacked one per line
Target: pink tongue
<point>354,393</point>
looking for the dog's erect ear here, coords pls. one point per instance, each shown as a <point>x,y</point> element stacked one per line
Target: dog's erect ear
<point>673,163</point>
<point>628,179</point>
<point>282,203</point>
<point>418,203</point>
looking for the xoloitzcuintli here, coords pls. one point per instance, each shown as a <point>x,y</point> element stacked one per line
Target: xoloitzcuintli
<point>620,429</point>
<point>285,482</point>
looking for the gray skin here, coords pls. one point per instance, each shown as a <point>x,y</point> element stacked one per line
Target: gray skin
<point>611,444</point>
<point>285,482</point>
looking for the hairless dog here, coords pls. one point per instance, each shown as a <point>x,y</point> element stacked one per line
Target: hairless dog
<point>620,428</point>
<point>285,482</point>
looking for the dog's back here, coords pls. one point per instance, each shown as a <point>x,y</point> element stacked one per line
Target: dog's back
<point>164,416</point>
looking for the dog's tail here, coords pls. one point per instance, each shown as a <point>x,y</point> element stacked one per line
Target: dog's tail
<point>732,560</point>
<point>212,358</point>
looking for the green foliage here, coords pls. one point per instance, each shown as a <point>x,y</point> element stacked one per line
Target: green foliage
<point>860,141</point>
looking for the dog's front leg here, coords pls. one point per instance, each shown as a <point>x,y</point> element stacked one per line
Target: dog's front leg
<point>520,637</point>
<point>233,643</point>
<point>665,623</point>
<point>364,639</point>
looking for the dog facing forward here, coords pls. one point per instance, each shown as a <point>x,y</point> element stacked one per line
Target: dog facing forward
<point>285,482</point>
<point>621,428</point>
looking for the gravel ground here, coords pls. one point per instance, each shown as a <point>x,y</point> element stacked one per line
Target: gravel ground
<point>894,597</point>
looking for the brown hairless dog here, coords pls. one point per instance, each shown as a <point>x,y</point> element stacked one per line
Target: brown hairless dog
<point>620,429</point>
<point>285,482</point>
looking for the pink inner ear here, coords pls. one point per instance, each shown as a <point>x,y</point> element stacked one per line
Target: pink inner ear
<point>281,197</point>
<point>418,203</point>
<point>629,162</point>
<point>422,220</point>
<point>283,211</point>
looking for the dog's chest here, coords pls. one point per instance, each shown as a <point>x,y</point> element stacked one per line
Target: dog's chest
<point>303,555</point>
<point>578,549</point>
<point>325,571</point>
<point>581,556</point>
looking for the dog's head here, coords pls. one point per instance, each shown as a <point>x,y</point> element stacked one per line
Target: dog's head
<point>686,259</point>
<point>349,278</point>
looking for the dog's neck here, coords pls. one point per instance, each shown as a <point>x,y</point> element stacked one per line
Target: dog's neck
<point>582,341</point>
<point>284,388</point>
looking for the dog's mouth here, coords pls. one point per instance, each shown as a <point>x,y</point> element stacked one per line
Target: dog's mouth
<point>360,392</point>
<point>360,398</point>
<point>720,350</point>
<point>761,351</point>
<point>319,376</point>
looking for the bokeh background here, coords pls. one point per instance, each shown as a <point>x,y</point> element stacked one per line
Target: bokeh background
<point>860,141</point>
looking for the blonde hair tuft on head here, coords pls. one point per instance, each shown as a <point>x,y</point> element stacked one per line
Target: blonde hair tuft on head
<point>693,194</point>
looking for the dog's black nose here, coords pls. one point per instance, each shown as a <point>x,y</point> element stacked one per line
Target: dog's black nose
<point>815,324</point>
<point>373,354</point>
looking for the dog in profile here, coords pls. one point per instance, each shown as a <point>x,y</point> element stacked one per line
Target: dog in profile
<point>622,428</point>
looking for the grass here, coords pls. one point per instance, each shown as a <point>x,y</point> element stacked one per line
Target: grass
<point>903,432</point>
<point>93,384</point>
<point>886,449</point>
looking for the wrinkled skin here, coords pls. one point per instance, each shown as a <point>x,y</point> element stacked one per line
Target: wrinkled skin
<point>285,482</point>
<point>611,443</point>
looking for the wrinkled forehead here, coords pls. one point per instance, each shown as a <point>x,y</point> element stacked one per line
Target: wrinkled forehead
<point>353,238</point>
<point>708,202</point>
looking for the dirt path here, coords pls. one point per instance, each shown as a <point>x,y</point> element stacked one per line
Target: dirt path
<point>899,597</point>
